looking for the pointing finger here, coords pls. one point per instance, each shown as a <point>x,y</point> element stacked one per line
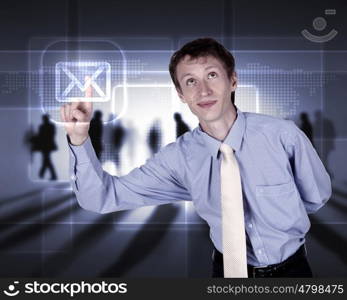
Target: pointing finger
<point>89,89</point>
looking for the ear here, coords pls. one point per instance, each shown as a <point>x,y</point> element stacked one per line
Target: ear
<point>180,95</point>
<point>233,81</point>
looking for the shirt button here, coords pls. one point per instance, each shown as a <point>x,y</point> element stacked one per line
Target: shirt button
<point>259,251</point>
<point>73,177</point>
<point>250,225</point>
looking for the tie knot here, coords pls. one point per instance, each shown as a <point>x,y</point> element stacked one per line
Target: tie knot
<point>225,149</point>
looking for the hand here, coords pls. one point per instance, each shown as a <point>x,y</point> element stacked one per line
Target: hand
<point>77,116</point>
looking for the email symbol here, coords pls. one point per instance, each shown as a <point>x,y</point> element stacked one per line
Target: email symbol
<point>70,84</point>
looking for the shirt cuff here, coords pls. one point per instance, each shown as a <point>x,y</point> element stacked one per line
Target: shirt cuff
<point>83,153</point>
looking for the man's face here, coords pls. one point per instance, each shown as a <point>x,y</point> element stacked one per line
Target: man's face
<point>205,87</point>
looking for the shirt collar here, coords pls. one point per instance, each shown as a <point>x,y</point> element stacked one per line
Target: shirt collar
<point>233,138</point>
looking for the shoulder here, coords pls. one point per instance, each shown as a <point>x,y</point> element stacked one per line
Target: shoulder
<point>186,149</point>
<point>269,124</point>
<point>182,144</point>
<point>173,157</point>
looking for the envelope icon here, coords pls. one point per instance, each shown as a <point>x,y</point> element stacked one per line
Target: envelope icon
<point>70,84</point>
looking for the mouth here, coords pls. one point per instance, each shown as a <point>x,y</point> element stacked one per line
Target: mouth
<point>207,104</point>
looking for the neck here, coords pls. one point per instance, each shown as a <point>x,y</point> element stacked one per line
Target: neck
<point>219,129</point>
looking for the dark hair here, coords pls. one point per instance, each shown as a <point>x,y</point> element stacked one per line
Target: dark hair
<point>200,48</point>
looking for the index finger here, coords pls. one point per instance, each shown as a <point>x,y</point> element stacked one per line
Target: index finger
<point>89,89</point>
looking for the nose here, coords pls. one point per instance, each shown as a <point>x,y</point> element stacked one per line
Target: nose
<point>205,89</point>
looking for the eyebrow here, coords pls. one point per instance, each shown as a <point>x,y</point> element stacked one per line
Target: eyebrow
<point>207,68</point>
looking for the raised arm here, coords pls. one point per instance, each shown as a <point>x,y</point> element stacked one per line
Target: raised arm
<point>156,182</point>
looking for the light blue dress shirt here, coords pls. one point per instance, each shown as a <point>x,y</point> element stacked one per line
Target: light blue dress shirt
<point>282,179</point>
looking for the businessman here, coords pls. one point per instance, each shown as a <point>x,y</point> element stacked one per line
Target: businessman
<point>253,178</point>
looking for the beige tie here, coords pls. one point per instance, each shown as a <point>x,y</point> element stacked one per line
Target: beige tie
<point>234,238</point>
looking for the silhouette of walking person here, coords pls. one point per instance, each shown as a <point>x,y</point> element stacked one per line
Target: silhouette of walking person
<point>306,126</point>
<point>181,126</point>
<point>46,144</point>
<point>107,140</point>
<point>30,141</point>
<point>95,132</point>
<point>154,137</point>
<point>131,140</point>
<point>118,137</point>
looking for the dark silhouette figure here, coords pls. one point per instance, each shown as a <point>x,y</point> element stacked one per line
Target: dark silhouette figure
<point>118,137</point>
<point>325,132</point>
<point>154,137</point>
<point>131,140</point>
<point>46,144</point>
<point>107,139</point>
<point>306,126</point>
<point>181,126</point>
<point>95,132</point>
<point>31,141</point>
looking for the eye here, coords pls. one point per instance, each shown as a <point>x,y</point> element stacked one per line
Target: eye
<point>212,75</point>
<point>190,81</point>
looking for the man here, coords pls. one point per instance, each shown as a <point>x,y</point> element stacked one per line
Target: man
<point>257,232</point>
<point>47,144</point>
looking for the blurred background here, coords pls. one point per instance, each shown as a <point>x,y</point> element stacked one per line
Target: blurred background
<point>291,62</point>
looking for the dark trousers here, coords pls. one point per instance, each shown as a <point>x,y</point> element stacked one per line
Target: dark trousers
<point>294,266</point>
<point>47,164</point>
